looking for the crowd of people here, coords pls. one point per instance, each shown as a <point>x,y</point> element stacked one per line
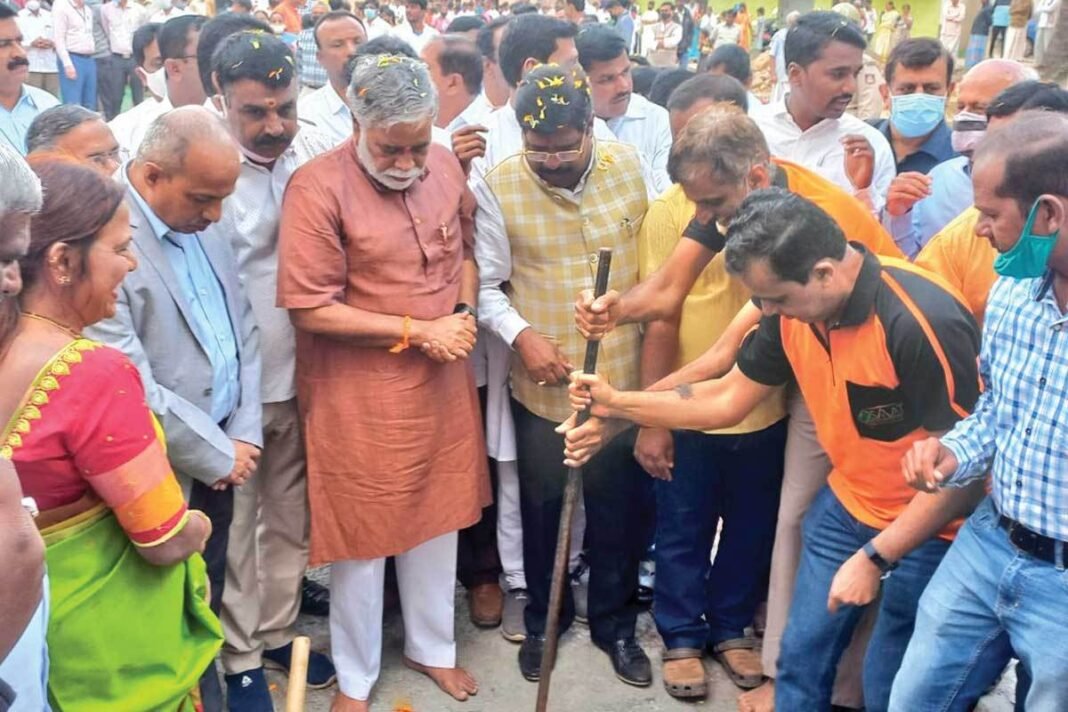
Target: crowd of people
<point>304,285</point>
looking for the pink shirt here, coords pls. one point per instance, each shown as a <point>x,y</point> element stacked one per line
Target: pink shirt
<point>73,27</point>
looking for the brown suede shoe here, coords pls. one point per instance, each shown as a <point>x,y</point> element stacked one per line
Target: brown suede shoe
<point>683,673</point>
<point>740,659</point>
<point>485,601</point>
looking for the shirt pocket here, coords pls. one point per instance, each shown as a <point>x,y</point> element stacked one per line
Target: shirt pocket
<point>879,413</point>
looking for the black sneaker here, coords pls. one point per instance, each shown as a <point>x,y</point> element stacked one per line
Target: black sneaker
<point>530,656</point>
<point>629,661</point>
<point>321,672</point>
<point>248,692</point>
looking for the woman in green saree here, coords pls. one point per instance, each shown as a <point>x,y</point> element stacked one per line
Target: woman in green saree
<point>130,628</point>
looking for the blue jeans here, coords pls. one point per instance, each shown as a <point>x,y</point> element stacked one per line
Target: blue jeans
<point>81,89</point>
<point>815,638</point>
<point>987,600</point>
<point>735,478</point>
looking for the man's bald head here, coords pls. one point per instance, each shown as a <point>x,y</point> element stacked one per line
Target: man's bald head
<point>986,80</point>
<point>187,165</point>
<point>170,138</point>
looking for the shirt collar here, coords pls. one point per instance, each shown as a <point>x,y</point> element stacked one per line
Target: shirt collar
<point>159,228</point>
<point>939,144</point>
<point>334,102</point>
<point>862,299</point>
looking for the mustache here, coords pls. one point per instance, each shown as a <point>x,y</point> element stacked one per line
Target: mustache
<point>17,62</point>
<point>842,97</point>
<point>272,141</point>
<point>621,96</point>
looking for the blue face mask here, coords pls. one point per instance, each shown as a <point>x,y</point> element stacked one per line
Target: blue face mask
<point>370,13</point>
<point>915,115</point>
<point>1029,256</point>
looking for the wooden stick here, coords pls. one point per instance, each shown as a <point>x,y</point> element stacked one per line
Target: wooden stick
<point>563,534</point>
<point>298,674</point>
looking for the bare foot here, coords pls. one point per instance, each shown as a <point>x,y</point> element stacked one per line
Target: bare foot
<point>760,699</point>
<point>347,704</point>
<point>455,681</point>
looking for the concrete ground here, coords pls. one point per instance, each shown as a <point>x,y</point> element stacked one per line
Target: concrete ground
<point>582,682</point>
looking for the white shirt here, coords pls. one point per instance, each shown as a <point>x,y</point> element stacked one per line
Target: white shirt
<point>646,127</point>
<point>1047,11</point>
<point>35,27</point>
<point>405,32</point>
<point>130,126</point>
<point>819,148</point>
<point>162,16</point>
<point>119,24</point>
<point>756,106</point>
<point>249,222</point>
<point>378,27</point>
<point>325,110</point>
<point>476,113</point>
<point>725,35</point>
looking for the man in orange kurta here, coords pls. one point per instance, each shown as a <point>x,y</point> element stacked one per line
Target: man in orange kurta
<point>376,269</point>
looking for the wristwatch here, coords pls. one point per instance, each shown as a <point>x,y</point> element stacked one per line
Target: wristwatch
<point>463,308</point>
<point>876,558</point>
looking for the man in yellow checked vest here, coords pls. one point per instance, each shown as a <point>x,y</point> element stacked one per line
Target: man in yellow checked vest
<point>542,215</point>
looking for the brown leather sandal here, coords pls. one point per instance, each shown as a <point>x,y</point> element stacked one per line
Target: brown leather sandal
<point>741,660</point>
<point>683,673</point>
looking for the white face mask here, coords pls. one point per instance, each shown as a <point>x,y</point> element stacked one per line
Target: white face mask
<point>278,29</point>
<point>156,82</point>
<point>392,179</point>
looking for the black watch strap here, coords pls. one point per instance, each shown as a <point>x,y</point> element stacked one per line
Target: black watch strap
<point>877,558</point>
<point>463,308</point>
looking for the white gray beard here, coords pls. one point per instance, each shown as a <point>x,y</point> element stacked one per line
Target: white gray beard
<point>394,180</point>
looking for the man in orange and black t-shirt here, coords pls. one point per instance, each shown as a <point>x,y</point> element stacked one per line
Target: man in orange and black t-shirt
<point>884,355</point>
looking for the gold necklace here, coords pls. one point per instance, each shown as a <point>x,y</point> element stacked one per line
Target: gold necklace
<point>53,322</point>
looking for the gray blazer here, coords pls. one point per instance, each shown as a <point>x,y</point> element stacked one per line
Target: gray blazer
<point>152,326</point>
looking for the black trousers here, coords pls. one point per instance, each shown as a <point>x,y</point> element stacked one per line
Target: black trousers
<point>996,33</point>
<point>614,500</point>
<point>219,506</point>
<point>477,560</point>
<point>113,74</point>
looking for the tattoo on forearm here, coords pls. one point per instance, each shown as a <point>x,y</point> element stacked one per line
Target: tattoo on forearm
<point>685,391</point>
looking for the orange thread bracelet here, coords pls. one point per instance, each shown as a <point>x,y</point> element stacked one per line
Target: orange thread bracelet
<point>403,343</point>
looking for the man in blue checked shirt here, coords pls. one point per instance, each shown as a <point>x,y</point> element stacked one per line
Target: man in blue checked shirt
<point>1003,586</point>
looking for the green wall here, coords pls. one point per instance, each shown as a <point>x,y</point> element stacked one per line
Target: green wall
<point>926,12</point>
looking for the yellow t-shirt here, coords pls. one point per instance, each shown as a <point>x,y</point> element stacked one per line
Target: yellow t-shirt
<point>963,259</point>
<point>716,297</point>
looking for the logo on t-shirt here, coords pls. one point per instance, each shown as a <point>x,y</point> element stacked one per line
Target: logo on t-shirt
<point>885,414</point>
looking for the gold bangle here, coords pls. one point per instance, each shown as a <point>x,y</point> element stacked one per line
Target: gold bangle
<point>403,343</point>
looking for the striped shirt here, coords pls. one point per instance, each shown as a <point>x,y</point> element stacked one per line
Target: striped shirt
<point>1019,425</point>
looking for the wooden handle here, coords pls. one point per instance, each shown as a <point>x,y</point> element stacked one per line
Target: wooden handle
<point>600,286</point>
<point>298,674</point>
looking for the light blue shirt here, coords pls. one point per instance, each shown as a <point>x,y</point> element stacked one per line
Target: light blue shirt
<point>25,668</point>
<point>211,322</point>
<point>15,123</point>
<point>951,194</point>
<point>1019,426</point>
<point>624,27</point>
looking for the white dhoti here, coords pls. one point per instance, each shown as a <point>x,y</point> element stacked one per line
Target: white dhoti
<point>426,578</point>
<point>1015,43</point>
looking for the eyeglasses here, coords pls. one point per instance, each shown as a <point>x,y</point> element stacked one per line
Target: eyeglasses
<point>116,155</point>
<point>562,156</point>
